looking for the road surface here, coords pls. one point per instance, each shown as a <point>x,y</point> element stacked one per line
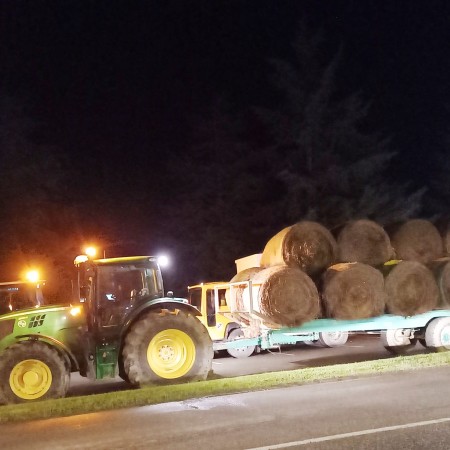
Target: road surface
<point>390,411</point>
<point>358,348</point>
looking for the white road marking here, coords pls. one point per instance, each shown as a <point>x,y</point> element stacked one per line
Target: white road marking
<point>352,434</point>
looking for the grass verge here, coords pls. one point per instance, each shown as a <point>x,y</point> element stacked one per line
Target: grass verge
<point>162,394</point>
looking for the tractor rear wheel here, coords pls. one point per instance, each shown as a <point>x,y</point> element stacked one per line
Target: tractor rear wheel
<point>165,346</point>
<point>30,371</point>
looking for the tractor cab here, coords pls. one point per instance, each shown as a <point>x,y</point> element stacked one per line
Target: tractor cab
<point>112,288</point>
<point>113,292</point>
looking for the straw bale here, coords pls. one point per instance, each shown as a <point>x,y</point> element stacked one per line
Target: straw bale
<point>306,245</point>
<point>410,288</point>
<point>417,240</point>
<point>364,241</point>
<point>441,271</point>
<point>353,291</point>
<point>284,296</point>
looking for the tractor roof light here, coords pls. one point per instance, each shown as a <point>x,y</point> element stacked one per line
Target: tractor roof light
<point>80,259</point>
<point>163,261</point>
<point>90,251</point>
<point>32,276</point>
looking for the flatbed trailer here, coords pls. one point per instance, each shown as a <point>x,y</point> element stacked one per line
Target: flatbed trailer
<point>397,333</point>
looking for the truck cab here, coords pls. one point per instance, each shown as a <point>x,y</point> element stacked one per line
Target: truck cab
<point>211,300</point>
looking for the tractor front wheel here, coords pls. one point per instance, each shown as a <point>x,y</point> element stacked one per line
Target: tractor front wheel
<point>165,346</point>
<point>30,371</point>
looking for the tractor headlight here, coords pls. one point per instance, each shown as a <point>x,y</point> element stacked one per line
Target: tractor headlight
<point>75,311</point>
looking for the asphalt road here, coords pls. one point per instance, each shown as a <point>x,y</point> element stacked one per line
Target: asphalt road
<point>358,348</point>
<point>391,411</point>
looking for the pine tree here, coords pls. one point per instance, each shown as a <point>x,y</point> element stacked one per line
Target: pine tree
<point>332,168</point>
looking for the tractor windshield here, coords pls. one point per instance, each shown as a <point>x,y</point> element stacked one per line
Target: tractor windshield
<point>128,283</point>
<point>122,287</point>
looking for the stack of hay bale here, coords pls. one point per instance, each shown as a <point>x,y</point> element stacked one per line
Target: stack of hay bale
<point>361,270</point>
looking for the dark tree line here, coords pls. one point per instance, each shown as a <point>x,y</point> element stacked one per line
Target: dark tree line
<point>304,151</point>
<point>307,153</point>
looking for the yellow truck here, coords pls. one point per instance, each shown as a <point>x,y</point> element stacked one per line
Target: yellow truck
<point>220,327</point>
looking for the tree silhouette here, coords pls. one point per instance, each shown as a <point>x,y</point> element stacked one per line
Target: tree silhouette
<point>332,168</point>
<point>217,211</point>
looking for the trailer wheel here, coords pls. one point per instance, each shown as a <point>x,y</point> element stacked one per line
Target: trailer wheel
<point>243,352</point>
<point>437,334</point>
<point>397,341</point>
<point>165,346</point>
<point>333,339</point>
<point>30,371</point>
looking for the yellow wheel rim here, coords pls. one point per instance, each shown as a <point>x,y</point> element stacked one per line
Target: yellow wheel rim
<point>171,354</point>
<point>30,379</point>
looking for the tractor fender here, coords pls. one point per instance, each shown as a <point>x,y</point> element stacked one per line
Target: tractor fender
<point>161,303</point>
<point>62,349</point>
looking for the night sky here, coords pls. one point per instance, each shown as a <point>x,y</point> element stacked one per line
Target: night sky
<point>104,71</point>
<point>116,85</point>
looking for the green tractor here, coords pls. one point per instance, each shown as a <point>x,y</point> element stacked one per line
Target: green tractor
<point>120,324</point>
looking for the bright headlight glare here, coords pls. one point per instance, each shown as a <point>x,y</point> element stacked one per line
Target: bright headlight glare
<point>80,259</point>
<point>75,311</point>
<point>33,276</point>
<point>163,261</point>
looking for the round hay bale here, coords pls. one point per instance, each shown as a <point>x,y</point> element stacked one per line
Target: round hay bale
<point>364,241</point>
<point>285,296</point>
<point>441,271</point>
<point>306,245</point>
<point>353,291</point>
<point>410,288</point>
<point>417,240</point>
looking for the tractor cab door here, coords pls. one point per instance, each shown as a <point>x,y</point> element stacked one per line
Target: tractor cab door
<point>117,293</point>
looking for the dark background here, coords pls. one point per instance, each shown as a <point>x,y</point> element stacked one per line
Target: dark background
<point>154,126</point>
